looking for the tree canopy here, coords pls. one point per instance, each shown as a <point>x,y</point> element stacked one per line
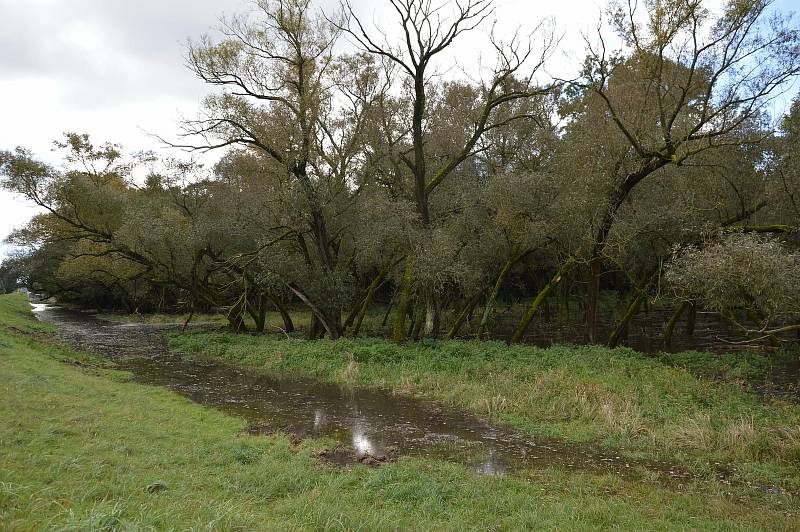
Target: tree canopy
<point>352,174</point>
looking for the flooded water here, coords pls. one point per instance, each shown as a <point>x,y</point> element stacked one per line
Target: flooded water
<point>645,332</point>
<point>369,423</point>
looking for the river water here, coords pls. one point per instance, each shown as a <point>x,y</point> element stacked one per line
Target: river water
<point>365,422</point>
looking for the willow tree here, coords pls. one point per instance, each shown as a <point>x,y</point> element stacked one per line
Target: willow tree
<point>742,272</point>
<point>83,204</point>
<point>685,81</point>
<point>428,31</point>
<point>100,230</point>
<point>720,190</point>
<point>785,173</point>
<point>281,98</point>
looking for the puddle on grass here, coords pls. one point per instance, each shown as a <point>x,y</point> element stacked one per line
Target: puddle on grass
<point>366,423</point>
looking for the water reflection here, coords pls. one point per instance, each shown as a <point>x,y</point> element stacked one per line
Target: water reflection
<point>320,420</point>
<point>41,307</point>
<point>360,441</point>
<point>491,466</point>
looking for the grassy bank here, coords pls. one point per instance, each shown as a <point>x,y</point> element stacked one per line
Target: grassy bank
<point>654,406</point>
<point>81,449</point>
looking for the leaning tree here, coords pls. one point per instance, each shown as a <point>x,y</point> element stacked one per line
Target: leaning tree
<point>687,79</point>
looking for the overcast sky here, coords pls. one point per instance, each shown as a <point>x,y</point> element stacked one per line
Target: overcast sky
<point>115,68</point>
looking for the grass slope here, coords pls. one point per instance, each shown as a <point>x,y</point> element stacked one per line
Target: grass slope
<point>82,450</point>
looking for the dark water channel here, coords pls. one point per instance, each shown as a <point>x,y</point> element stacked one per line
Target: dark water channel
<point>645,332</point>
<point>366,422</point>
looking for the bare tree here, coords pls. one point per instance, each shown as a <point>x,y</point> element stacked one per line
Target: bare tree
<point>282,93</point>
<point>428,31</point>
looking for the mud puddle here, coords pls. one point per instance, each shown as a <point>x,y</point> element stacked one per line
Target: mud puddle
<point>370,426</point>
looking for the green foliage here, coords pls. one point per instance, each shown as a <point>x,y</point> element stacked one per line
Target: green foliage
<point>10,275</point>
<point>751,366</point>
<point>15,313</point>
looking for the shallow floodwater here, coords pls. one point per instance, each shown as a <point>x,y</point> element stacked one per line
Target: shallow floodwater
<point>370,422</point>
<point>645,332</point>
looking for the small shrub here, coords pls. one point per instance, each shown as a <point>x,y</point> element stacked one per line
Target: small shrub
<point>246,455</point>
<point>156,487</point>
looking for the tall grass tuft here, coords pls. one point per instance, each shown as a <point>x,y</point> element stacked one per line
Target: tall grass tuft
<point>349,375</point>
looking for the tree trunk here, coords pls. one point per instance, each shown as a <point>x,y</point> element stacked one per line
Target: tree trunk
<point>593,295</point>
<point>288,324</point>
<point>462,316</point>
<point>759,322</point>
<point>258,311</point>
<point>432,315</point>
<point>329,321</point>
<point>399,334</point>
<point>367,301</point>
<point>315,329</point>
<point>526,320</point>
<point>621,329</point>
<point>351,317</point>
<point>633,308</point>
<point>691,322</point>
<point>420,315</point>
<point>354,313</point>
<point>361,309</point>
<point>188,319</point>
<point>471,313</point>
<point>625,188</point>
<point>388,311</point>
<point>490,301</point>
<point>669,327</point>
<point>235,316</point>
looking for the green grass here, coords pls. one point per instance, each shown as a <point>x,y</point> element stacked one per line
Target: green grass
<point>82,450</point>
<point>619,398</point>
<point>273,323</point>
<point>15,315</point>
<point>163,318</point>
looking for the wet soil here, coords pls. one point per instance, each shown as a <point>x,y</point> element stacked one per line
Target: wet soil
<point>370,426</point>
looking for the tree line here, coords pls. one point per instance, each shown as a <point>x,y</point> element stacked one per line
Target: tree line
<point>364,172</point>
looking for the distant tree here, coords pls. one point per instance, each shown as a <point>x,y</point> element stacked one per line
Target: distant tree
<point>288,98</point>
<point>10,274</point>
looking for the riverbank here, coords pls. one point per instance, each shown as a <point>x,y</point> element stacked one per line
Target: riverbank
<point>677,406</point>
<point>83,448</point>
